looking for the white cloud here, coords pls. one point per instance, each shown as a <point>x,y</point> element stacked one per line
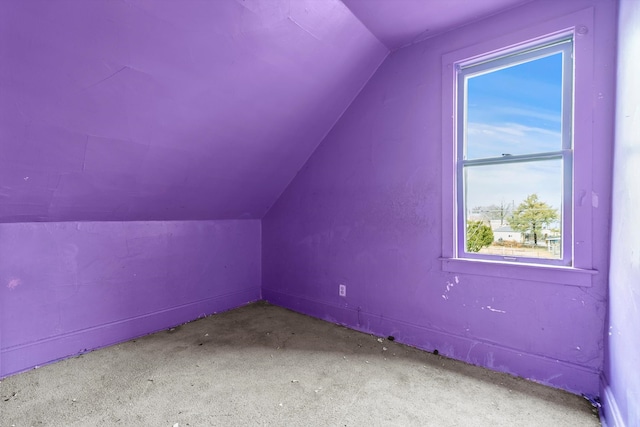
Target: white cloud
<point>492,140</point>
<point>529,113</point>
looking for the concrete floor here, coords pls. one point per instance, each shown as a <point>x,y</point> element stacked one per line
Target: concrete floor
<point>264,365</point>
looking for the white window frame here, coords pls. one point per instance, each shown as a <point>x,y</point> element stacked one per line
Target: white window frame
<point>478,66</point>
<point>576,268</point>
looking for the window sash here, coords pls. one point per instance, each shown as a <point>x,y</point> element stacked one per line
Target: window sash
<point>485,65</point>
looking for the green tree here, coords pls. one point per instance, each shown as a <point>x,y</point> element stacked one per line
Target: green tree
<point>479,235</point>
<point>531,216</point>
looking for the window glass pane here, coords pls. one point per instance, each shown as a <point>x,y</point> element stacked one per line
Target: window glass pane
<point>515,110</point>
<point>520,203</point>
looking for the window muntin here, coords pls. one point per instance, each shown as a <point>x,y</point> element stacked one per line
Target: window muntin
<point>514,140</point>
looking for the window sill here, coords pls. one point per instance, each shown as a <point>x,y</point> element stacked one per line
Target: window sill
<point>538,273</point>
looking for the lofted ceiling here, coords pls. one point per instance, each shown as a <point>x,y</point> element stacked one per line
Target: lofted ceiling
<point>397,23</point>
<point>199,109</point>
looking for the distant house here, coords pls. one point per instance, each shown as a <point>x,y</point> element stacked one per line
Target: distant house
<point>496,223</point>
<point>506,234</point>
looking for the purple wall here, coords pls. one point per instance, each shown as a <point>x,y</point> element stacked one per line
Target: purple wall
<point>70,287</point>
<point>365,212</point>
<point>163,110</point>
<point>621,382</point>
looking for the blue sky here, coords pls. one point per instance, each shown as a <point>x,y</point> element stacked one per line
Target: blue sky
<point>515,110</point>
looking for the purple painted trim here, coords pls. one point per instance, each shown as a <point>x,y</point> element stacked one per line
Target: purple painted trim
<point>567,376</point>
<point>533,272</point>
<point>23,357</point>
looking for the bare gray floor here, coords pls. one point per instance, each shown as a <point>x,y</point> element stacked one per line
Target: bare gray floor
<point>264,365</point>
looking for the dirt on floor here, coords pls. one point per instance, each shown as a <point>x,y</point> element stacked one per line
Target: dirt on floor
<point>262,365</point>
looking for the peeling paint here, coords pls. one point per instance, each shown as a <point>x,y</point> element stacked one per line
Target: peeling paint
<point>14,283</point>
<point>581,196</point>
<point>449,286</point>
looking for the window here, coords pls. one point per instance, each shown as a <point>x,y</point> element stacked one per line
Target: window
<point>517,154</point>
<point>514,155</point>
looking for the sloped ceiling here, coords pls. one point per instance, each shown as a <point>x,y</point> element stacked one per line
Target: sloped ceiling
<point>151,109</point>
<point>397,23</point>
<point>199,109</point>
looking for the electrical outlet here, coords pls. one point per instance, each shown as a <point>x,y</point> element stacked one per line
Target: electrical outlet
<point>342,290</point>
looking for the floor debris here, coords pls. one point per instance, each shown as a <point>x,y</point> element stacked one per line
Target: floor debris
<point>239,377</point>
